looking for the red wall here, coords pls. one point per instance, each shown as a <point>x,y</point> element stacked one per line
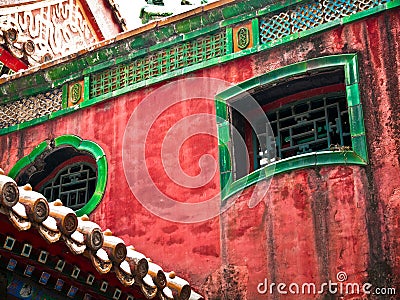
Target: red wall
<point>312,224</point>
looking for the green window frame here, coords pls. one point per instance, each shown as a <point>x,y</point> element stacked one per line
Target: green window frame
<point>357,155</point>
<point>79,144</point>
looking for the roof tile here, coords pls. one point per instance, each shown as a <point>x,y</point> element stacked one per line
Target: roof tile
<point>108,253</point>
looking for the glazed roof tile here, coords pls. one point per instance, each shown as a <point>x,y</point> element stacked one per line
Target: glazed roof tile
<point>108,254</point>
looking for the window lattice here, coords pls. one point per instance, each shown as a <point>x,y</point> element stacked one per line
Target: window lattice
<point>308,126</point>
<point>158,63</point>
<point>27,109</point>
<point>310,15</point>
<point>74,185</point>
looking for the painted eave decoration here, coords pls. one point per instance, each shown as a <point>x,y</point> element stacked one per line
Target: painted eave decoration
<point>27,210</point>
<point>35,32</point>
<point>32,33</point>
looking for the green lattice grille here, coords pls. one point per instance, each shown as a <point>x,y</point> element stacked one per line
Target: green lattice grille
<point>158,63</point>
<point>309,15</point>
<point>309,126</point>
<point>74,185</point>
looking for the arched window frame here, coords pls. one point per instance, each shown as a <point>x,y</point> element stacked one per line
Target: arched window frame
<point>358,155</point>
<point>79,144</point>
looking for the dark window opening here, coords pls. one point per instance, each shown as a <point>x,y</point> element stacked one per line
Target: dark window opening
<point>240,149</point>
<point>73,185</point>
<point>306,114</point>
<point>63,173</point>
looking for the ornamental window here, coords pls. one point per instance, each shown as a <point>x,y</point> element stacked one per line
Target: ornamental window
<point>306,114</point>
<point>66,168</point>
<point>74,184</point>
<point>302,115</point>
<point>64,173</point>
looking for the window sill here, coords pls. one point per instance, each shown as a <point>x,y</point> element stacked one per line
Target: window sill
<point>307,160</point>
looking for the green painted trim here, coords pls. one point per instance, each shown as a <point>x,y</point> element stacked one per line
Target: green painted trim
<point>92,148</point>
<point>255,26</point>
<point>151,81</point>
<point>238,19</point>
<point>393,4</point>
<point>66,80</point>
<point>198,33</point>
<point>53,115</point>
<point>357,156</point>
<point>14,95</point>
<point>320,28</point>
<point>293,163</point>
<point>63,71</point>
<point>229,40</point>
<point>39,149</point>
<point>32,122</point>
<point>342,60</point>
<point>279,6</point>
<point>64,101</point>
<point>67,140</point>
<point>83,145</point>
<point>224,132</point>
<point>351,71</point>
<point>63,112</point>
<point>167,44</point>
<point>359,146</point>
<point>99,67</point>
<point>356,120</point>
<point>86,88</point>
<point>221,109</point>
<point>8,130</point>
